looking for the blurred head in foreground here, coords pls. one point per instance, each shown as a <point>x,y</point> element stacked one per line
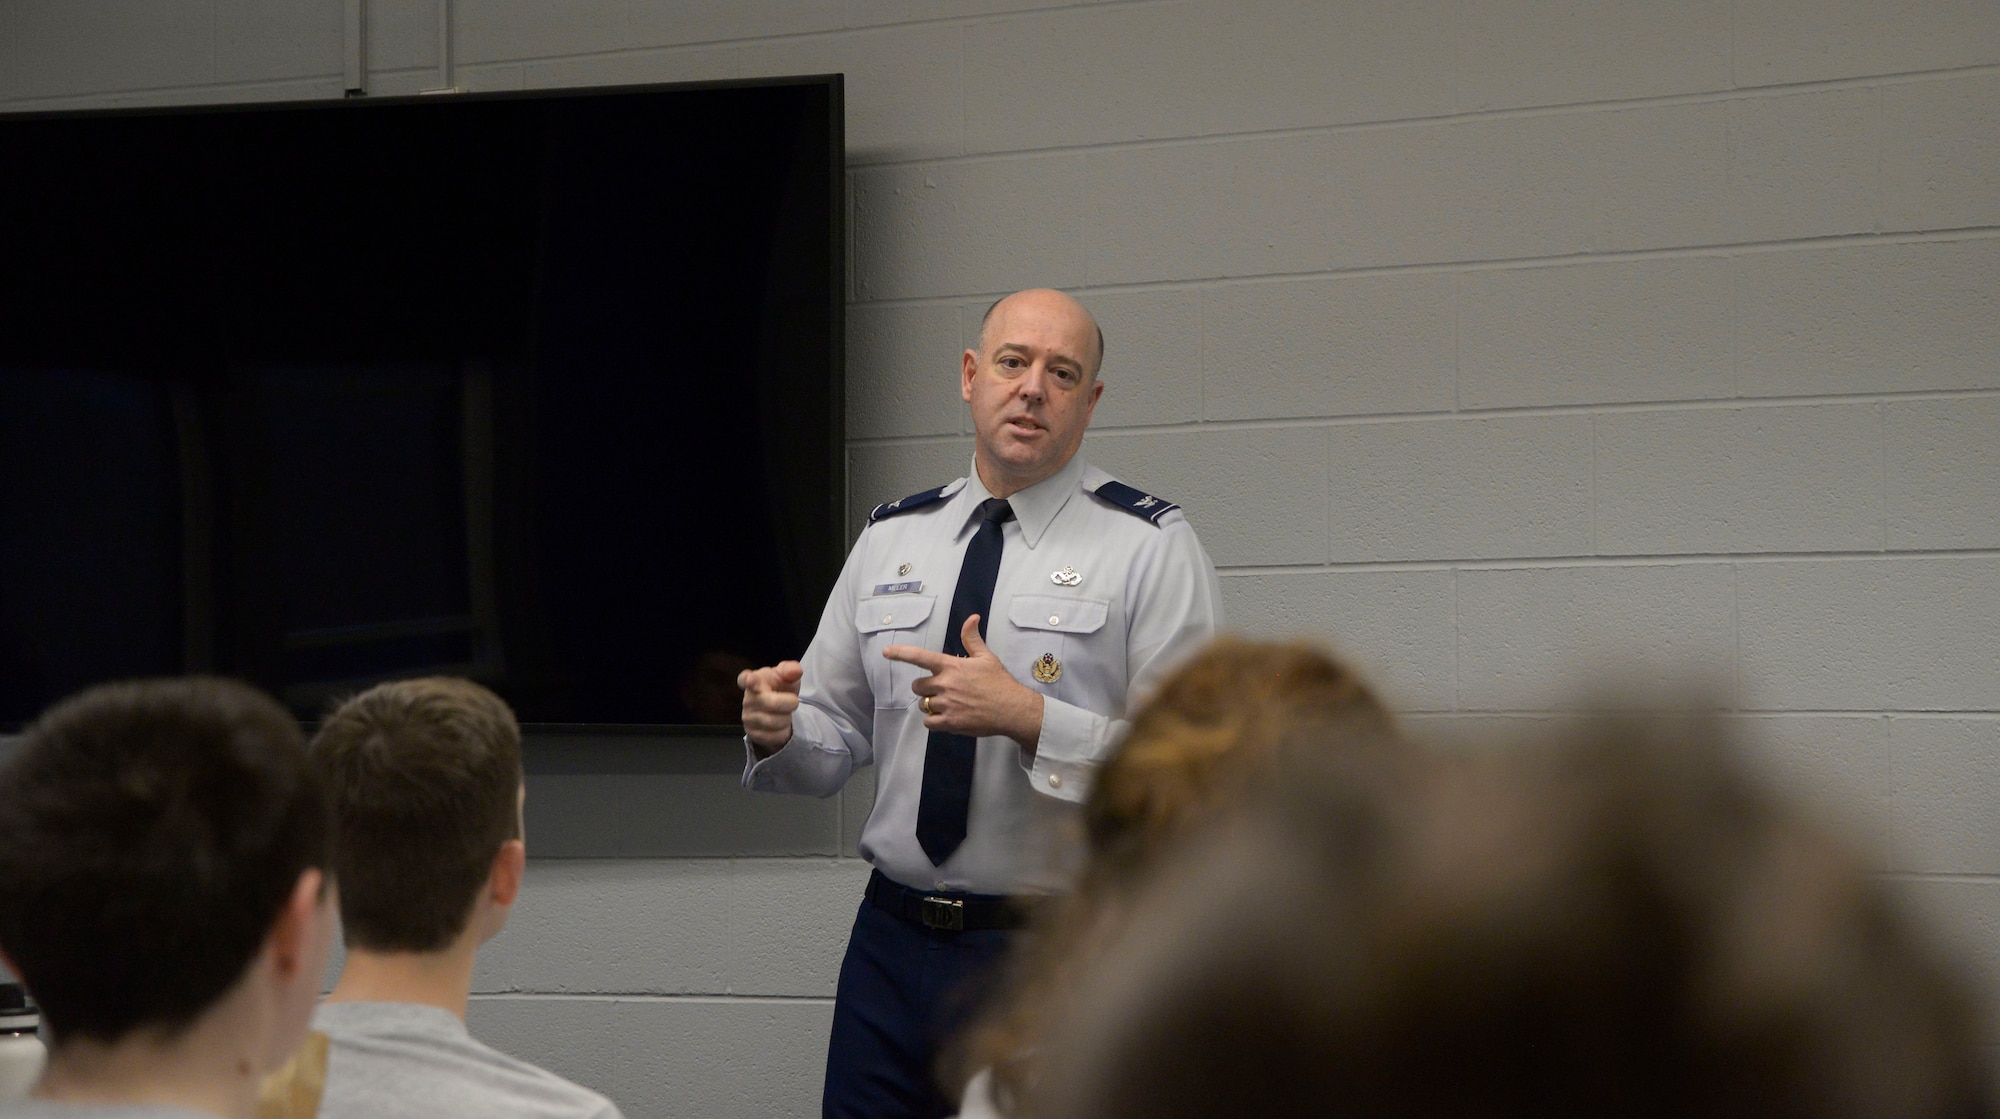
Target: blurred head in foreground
<point>1210,731</point>
<point>1623,924</point>
<point>163,847</point>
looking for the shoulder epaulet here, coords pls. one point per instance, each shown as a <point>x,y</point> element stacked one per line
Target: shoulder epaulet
<point>1134,502</point>
<point>904,504</point>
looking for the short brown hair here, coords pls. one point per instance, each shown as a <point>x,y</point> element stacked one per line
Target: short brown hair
<point>425,777</point>
<point>150,832</point>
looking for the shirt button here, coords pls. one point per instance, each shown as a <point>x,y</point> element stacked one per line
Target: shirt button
<point>1055,780</point>
<point>887,618</point>
<point>1054,619</point>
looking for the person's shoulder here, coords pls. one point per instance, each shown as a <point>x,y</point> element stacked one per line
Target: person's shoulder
<point>394,1059</point>
<point>922,499</point>
<point>51,1109</point>
<point>1114,494</point>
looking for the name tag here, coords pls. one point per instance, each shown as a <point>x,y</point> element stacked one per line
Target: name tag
<point>899,588</point>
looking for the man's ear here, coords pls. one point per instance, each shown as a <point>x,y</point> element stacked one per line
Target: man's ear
<point>968,365</point>
<point>292,939</point>
<point>509,864</point>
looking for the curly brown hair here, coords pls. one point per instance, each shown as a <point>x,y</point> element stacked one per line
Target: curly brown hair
<point>1198,742</point>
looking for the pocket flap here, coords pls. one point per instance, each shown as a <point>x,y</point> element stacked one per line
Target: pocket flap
<point>1057,612</point>
<point>893,611</point>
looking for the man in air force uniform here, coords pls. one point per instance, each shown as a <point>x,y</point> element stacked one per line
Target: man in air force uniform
<point>980,648</point>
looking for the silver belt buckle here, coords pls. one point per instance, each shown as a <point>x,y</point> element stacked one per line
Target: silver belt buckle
<point>944,913</point>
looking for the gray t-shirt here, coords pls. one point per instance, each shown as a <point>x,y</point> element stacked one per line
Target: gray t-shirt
<point>50,1109</point>
<point>389,1060</point>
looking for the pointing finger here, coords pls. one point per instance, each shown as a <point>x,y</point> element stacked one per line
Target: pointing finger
<point>918,655</point>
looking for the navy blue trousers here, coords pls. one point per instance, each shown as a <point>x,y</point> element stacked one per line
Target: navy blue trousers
<point>904,991</point>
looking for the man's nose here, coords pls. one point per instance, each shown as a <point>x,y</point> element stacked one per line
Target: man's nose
<point>1034,383</point>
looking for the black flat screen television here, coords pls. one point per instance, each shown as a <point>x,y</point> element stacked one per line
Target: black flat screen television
<point>542,389</point>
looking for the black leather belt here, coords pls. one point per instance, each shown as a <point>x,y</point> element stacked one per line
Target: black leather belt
<point>945,910</point>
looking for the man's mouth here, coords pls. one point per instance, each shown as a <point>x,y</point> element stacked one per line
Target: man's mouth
<point>1023,424</point>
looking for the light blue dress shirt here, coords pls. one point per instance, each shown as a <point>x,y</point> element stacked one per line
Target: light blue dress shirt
<point>1105,600</point>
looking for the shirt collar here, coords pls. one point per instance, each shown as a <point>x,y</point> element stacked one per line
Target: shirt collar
<point>1035,507</point>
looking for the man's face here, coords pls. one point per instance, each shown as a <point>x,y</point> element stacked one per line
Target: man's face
<point>1032,387</point>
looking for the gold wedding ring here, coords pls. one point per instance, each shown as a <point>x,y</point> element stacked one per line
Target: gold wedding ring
<point>925,703</point>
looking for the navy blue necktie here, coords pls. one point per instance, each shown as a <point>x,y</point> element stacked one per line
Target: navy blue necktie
<point>948,758</point>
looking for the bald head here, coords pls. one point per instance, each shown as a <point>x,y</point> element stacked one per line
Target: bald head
<point>1051,301</point>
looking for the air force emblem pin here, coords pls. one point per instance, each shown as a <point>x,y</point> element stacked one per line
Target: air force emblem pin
<point>1067,577</point>
<point>1048,669</point>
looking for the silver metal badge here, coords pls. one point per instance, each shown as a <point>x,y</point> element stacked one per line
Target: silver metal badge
<point>903,570</point>
<point>1067,577</point>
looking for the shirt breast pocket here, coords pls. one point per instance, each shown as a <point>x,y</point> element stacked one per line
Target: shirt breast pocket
<point>1059,631</point>
<point>885,620</point>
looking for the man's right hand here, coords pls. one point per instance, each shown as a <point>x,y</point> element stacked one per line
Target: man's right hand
<point>770,695</point>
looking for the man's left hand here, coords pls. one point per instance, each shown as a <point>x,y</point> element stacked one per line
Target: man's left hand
<point>974,694</point>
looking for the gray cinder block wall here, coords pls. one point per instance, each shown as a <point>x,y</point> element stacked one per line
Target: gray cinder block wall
<point>1491,340</point>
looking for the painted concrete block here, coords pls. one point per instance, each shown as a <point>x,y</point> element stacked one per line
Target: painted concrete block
<point>958,228</point>
<point>789,920</point>
<point>10,54</point>
<point>902,91</point>
<point>1460,488</point>
<point>1081,75</point>
<point>1837,762</point>
<point>1803,164</point>
<point>1272,64</point>
<point>105,45</point>
<point>1963,915</point>
<point>1943,473</point>
<point>1739,480</point>
<point>1538,638</point>
<point>1239,207</point>
<point>399,83</point>
<point>1392,196</point>
<point>507,30</point>
<point>690,815</point>
<point>886,471</point>
<point>672,815</point>
<point>1941,153</point>
<point>1781,41</point>
<point>1328,347</point>
<point>1561,52</point>
<point>402,35</point>
<point>672,64</point>
<point>265,41</point>
<point>1946,783</point>
<point>1596,333</point>
<point>1153,356</point>
<point>1398,628</point>
<point>1876,318</point>
<point>903,371</point>
<point>862,13</point>
<point>1254,497</point>
<point>727,1058</point>
<point>1661,176</point>
<point>616,926</point>
<point>1523,186</point>
<point>1895,634</point>
<point>663,23</point>
<point>491,76</point>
